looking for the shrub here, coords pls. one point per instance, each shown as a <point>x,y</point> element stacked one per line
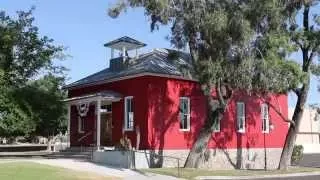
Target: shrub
<point>296,154</point>
<point>124,144</point>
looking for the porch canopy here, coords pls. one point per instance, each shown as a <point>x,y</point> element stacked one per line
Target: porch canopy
<point>102,96</point>
<point>82,103</point>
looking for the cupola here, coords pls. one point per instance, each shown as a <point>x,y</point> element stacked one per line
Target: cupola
<point>123,45</point>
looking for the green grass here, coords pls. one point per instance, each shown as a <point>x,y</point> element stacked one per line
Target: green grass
<point>188,173</point>
<point>33,171</point>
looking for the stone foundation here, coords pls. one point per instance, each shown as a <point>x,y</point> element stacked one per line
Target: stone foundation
<point>224,159</point>
<point>214,158</point>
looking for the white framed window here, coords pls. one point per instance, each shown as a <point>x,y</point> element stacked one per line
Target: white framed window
<point>184,113</point>
<point>216,125</point>
<point>80,124</point>
<point>128,113</point>
<point>265,118</point>
<point>241,117</point>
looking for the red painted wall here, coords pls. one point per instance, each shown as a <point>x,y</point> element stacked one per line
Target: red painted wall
<point>163,118</point>
<point>89,127</point>
<point>132,87</point>
<point>156,102</point>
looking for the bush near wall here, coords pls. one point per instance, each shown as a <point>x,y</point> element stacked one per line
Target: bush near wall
<point>296,154</point>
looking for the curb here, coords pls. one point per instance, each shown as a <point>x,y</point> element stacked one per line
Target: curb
<point>259,176</point>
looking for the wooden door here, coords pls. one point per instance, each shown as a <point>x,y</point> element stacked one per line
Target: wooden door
<point>106,129</point>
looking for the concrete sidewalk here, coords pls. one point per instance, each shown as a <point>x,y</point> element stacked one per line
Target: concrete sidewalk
<point>81,165</point>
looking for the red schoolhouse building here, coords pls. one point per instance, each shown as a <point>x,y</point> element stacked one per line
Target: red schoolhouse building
<point>149,94</point>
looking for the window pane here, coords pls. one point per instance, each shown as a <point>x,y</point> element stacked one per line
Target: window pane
<point>266,112</point>
<point>240,109</point>
<point>240,123</point>
<point>185,125</point>
<point>184,114</point>
<point>187,106</point>
<point>130,105</point>
<point>129,119</point>
<point>181,121</point>
<point>216,125</point>
<point>182,106</point>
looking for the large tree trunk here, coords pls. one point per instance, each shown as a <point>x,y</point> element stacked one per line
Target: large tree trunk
<point>302,95</point>
<point>214,113</point>
<point>285,158</point>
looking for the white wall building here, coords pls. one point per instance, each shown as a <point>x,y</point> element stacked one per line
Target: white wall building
<point>308,131</point>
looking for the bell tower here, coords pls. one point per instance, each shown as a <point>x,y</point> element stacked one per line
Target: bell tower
<point>122,46</point>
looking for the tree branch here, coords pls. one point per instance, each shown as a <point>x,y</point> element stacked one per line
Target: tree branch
<point>278,111</point>
<point>297,91</point>
<point>312,54</point>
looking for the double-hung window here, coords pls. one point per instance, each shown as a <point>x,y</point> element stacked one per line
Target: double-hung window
<point>184,113</point>
<point>128,115</point>
<point>241,117</point>
<point>265,118</point>
<point>216,125</point>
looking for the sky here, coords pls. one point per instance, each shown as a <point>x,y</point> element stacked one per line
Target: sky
<point>84,26</point>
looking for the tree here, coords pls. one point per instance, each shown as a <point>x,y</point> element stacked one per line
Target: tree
<point>306,36</point>
<point>42,100</point>
<point>234,46</point>
<point>29,80</point>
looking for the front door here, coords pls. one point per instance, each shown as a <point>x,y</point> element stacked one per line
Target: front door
<point>106,129</point>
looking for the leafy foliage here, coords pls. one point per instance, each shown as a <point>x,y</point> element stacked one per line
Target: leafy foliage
<point>239,43</point>
<point>235,45</point>
<point>297,154</point>
<point>30,95</point>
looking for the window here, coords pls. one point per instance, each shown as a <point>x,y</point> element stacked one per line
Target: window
<point>184,112</point>
<point>106,108</point>
<point>128,109</point>
<point>265,118</point>
<point>216,125</point>
<point>80,124</point>
<point>241,118</point>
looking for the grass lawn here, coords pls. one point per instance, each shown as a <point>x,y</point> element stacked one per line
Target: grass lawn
<point>188,173</point>
<point>33,171</point>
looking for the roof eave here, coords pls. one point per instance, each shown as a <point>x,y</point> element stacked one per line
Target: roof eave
<point>70,87</point>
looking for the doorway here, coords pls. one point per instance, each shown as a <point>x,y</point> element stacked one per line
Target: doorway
<point>106,125</point>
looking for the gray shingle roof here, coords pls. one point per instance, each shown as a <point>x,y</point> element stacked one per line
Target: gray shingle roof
<point>125,39</point>
<point>159,61</point>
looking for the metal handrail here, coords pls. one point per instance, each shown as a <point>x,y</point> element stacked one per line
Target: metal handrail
<point>84,136</point>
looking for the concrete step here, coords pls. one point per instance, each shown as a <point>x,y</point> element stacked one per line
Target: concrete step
<point>56,156</point>
<point>79,149</point>
<point>72,155</point>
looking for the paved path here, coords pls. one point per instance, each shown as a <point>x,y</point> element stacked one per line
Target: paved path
<point>81,165</point>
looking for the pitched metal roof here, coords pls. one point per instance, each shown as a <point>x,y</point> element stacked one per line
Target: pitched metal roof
<point>159,61</point>
<point>125,40</point>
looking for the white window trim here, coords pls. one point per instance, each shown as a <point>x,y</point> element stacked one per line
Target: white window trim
<point>125,115</point>
<point>263,119</point>
<point>219,127</point>
<point>243,130</point>
<point>188,115</point>
<point>80,128</point>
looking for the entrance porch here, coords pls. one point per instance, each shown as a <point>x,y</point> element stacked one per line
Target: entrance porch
<point>90,119</point>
